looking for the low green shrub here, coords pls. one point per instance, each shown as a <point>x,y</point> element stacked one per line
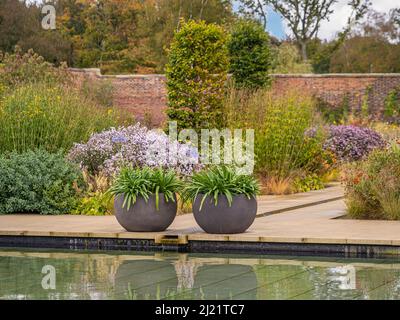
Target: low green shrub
<point>38,182</point>
<point>308,183</point>
<point>94,204</point>
<point>334,114</point>
<point>372,186</point>
<point>220,180</point>
<point>49,117</point>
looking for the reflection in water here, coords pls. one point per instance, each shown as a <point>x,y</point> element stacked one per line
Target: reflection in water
<point>83,275</point>
<point>345,276</point>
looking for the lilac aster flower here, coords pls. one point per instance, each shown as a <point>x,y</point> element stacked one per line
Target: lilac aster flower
<point>112,149</point>
<point>352,143</point>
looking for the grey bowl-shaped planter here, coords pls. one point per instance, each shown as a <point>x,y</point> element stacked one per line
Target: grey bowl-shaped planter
<point>143,216</point>
<point>222,218</point>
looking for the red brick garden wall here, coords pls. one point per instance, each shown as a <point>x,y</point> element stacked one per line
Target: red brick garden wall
<point>145,95</point>
<point>334,88</point>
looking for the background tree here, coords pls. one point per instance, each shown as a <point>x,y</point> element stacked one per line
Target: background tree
<point>304,17</point>
<point>373,46</point>
<point>20,24</point>
<point>196,75</point>
<point>249,53</point>
<point>159,19</point>
<point>287,59</point>
<point>117,36</point>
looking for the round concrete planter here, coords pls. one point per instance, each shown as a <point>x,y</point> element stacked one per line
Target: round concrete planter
<point>222,218</point>
<point>143,216</point>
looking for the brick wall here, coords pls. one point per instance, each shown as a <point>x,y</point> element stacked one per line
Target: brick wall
<point>142,95</point>
<point>145,95</point>
<point>333,88</point>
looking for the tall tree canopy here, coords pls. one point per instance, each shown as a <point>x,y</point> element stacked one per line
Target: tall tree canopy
<point>118,36</point>
<point>129,35</point>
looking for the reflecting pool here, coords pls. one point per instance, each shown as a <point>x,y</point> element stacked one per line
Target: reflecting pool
<point>54,274</point>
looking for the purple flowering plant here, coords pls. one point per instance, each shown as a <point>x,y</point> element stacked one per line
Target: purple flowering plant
<point>351,143</point>
<point>136,146</point>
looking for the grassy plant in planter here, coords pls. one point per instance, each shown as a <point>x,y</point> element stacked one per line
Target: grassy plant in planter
<point>223,201</point>
<point>145,199</point>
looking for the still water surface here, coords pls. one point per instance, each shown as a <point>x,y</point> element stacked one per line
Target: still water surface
<point>50,274</point>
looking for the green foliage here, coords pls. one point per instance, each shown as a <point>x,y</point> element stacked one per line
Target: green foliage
<point>94,204</point>
<point>335,114</point>
<point>38,182</point>
<point>308,183</point>
<point>366,54</point>
<point>50,117</point>
<point>373,186</point>
<point>389,131</point>
<point>287,59</point>
<point>20,24</point>
<point>392,104</point>
<point>220,180</point>
<point>117,36</point>
<point>96,201</point>
<point>364,112</point>
<point>20,68</point>
<point>196,75</point>
<point>133,183</point>
<point>284,145</point>
<point>249,53</point>
<point>99,91</point>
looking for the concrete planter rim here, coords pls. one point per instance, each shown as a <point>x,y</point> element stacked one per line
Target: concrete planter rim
<point>160,196</point>
<point>234,196</point>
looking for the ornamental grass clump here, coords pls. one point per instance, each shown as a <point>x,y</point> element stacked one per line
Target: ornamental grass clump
<point>372,186</point>
<point>49,117</point>
<point>352,143</point>
<point>217,181</point>
<point>132,183</point>
<point>21,68</point>
<point>286,148</point>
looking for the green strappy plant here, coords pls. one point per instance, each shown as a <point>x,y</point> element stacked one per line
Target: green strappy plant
<point>220,180</point>
<point>143,182</point>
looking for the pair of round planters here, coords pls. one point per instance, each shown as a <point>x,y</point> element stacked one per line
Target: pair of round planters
<point>218,219</point>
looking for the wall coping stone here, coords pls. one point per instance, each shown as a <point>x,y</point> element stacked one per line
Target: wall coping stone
<point>97,73</point>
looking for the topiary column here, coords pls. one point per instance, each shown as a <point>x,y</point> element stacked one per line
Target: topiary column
<point>249,52</point>
<point>196,75</point>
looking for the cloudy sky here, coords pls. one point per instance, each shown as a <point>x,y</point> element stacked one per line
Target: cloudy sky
<point>337,20</point>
